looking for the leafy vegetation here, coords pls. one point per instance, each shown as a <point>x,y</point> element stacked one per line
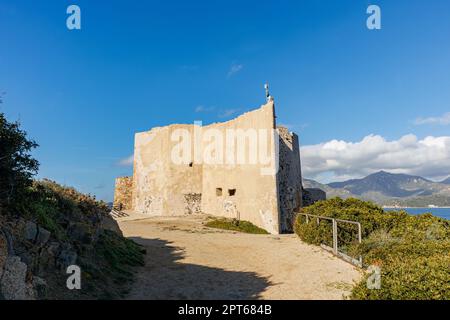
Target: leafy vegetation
<point>110,265</point>
<point>413,252</point>
<point>235,225</point>
<point>75,219</point>
<point>17,166</point>
<point>118,251</point>
<point>54,207</point>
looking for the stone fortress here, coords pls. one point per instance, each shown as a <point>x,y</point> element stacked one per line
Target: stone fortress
<point>267,193</point>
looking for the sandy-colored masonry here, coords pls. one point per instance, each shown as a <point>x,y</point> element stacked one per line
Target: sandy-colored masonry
<point>161,187</point>
<point>122,194</point>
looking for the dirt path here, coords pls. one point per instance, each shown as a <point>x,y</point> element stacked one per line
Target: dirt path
<point>186,260</point>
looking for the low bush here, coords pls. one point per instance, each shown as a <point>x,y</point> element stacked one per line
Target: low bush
<point>54,207</point>
<point>17,166</point>
<point>413,252</point>
<point>235,225</point>
<point>419,278</point>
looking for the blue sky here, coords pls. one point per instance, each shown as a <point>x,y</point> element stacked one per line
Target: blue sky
<point>134,65</point>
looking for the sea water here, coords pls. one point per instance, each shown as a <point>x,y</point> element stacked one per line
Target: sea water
<point>438,212</point>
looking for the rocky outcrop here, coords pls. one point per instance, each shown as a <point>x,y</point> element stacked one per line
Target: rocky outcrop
<point>38,235</point>
<point>14,284</point>
<point>17,281</point>
<point>3,253</point>
<point>60,227</point>
<point>30,254</point>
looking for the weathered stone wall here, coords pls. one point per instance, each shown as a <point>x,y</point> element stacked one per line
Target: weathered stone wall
<point>160,185</point>
<point>289,178</point>
<point>122,193</point>
<point>245,191</point>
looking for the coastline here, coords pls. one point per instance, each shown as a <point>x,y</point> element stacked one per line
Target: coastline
<point>393,207</point>
<point>441,212</point>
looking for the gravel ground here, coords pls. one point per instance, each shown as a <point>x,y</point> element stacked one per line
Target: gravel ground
<point>186,260</point>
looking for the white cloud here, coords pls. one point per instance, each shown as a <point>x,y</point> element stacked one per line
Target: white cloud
<point>442,120</point>
<point>221,113</point>
<point>201,108</point>
<point>228,113</point>
<point>235,68</point>
<point>126,162</point>
<point>338,160</point>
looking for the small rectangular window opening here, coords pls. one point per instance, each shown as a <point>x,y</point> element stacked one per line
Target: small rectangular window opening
<point>231,192</point>
<point>218,192</point>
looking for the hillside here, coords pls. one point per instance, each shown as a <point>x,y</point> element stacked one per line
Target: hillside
<point>55,228</point>
<point>331,192</point>
<point>50,232</point>
<point>389,189</point>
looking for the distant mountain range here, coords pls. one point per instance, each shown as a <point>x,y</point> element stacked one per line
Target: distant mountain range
<point>389,189</point>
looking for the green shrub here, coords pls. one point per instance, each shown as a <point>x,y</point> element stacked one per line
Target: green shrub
<point>413,252</point>
<point>117,256</point>
<point>17,166</point>
<point>369,215</point>
<point>119,251</point>
<point>419,278</point>
<point>235,225</point>
<point>54,207</point>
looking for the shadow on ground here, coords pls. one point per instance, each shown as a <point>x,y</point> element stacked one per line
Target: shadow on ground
<point>166,277</point>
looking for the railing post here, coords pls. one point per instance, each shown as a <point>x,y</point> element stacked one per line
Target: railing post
<point>360,240</point>
<point>335,245</point>
<point>335,237</point>
<point>359,233</point>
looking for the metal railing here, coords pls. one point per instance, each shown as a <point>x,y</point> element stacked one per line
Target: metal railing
<point>335,249</point>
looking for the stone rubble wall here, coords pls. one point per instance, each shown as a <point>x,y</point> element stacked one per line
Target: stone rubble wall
<point>123,192</point>
<point>28,255</point>
<point>193,203</point>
